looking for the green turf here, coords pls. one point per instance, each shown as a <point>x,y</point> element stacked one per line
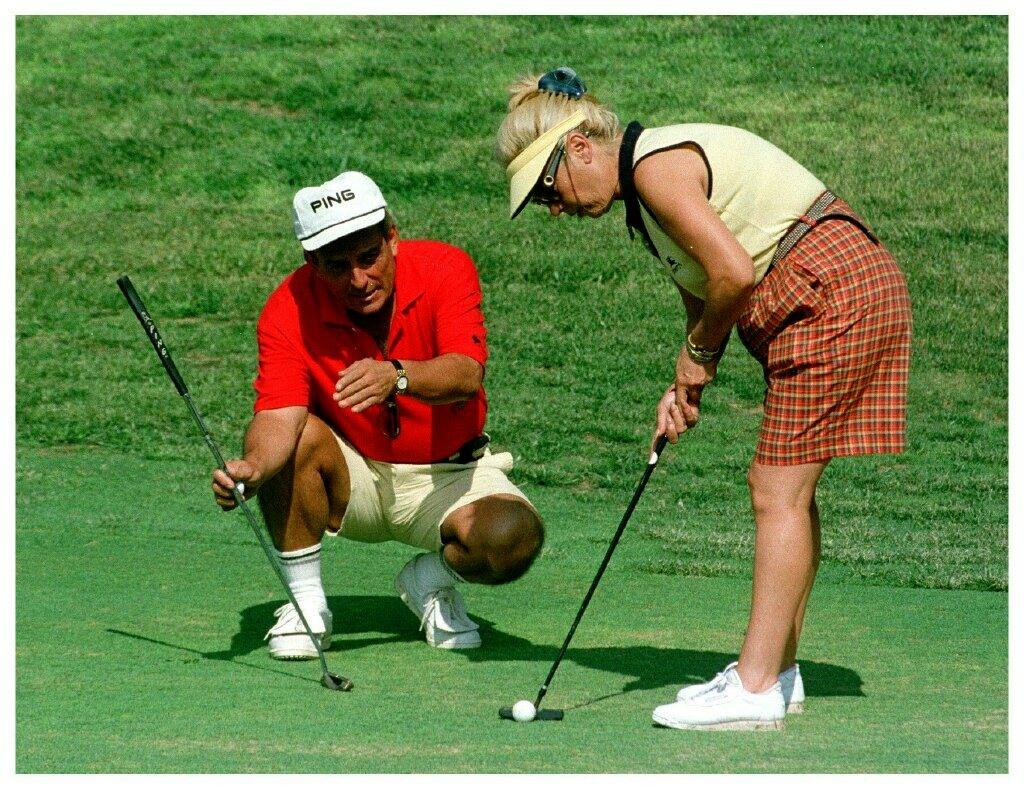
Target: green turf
<point>169,149</point>
<point>140,625</point>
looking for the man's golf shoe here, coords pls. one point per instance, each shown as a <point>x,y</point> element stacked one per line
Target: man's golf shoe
<point>442,613</point>
<point>289,640</point>
<point>790,681</point>
<point>726,706</point>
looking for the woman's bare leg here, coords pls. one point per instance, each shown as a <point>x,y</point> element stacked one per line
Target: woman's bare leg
<point>787,547</point>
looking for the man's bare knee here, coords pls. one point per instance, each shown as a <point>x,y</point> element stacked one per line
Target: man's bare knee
<point>314,483</point>
<point>514,536</point>
<point>317,447</point>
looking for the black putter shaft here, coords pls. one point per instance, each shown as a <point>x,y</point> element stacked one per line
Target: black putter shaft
<point>329,680</point>
<point>651,464</point>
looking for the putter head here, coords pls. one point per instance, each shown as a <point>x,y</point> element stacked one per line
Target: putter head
<point>336,683</point>
<point>543,714</point>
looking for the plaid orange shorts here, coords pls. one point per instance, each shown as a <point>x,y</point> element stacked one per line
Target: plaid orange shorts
<point>830,324</point>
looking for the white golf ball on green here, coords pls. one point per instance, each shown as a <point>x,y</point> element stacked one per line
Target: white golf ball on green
<point>524,711</point>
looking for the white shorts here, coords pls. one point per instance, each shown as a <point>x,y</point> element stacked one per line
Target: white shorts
<point>409,502</point>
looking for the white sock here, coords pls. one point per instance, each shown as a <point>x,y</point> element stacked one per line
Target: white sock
<point>302,571</point>
<point>434,573</point>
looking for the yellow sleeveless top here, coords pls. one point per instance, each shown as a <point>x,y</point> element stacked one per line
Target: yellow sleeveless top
<point>758,190</point>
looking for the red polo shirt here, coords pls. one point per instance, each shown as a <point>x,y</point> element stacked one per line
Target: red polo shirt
<point>305,338</point>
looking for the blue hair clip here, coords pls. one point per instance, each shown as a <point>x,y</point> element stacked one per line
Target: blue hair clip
<point>563,80</point>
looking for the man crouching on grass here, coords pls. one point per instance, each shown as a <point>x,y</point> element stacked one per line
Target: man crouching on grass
<point>369,419</point>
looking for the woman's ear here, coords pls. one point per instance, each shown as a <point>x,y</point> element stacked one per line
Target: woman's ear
<point>578,144</point>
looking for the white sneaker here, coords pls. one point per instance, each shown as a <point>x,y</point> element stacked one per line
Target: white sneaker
<point>793,689</point>
<point>790,680</point>
<point>726,706</point>
<point>289,640</point>
<point>690,692</point>
<point>442,613</point>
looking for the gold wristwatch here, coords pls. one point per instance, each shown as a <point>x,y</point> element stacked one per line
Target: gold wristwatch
<point>402,381</point>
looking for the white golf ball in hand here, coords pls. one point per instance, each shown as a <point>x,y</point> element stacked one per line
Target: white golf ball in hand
<point>524,711</point>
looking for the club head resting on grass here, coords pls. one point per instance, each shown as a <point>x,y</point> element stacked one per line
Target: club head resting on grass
<point>336,683</point>
<point>543,714</point>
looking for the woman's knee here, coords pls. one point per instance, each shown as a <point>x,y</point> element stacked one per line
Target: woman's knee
<point>760,492</point>
<point>782,490</point>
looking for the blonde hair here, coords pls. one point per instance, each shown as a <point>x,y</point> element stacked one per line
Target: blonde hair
<point>532,111</point>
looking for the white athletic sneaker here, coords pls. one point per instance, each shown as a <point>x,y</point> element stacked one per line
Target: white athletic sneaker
<point>691,692</point>
<point>289,640</point>
<point>790,680</point>
<point>726,706</point>
<point>793,689</point>
<point>442,613</point>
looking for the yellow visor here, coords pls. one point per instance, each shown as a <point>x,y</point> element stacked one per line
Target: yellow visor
<point>525,170</point>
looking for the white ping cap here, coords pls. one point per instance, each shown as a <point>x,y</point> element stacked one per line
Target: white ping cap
<point>344,205</point>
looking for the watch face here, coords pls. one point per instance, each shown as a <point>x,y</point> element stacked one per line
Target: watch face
<point>402,384</point>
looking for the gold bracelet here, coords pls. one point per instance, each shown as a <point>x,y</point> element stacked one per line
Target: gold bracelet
<point>700,354</point>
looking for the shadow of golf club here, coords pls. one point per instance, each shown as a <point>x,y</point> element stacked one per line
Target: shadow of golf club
<point>362,621</point>
<point>649,667</point>
<point>353,615</point>
<point>215,656</point>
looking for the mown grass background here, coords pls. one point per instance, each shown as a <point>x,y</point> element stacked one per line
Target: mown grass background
<point>169,149</point>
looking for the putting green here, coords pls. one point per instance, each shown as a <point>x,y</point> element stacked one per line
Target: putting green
<point>141,612</point>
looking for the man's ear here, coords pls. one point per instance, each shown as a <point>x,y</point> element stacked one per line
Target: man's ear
<point>392,239</point>
<point>310,256</point>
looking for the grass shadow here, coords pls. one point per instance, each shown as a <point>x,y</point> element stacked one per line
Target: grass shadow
<point>353,615</point>
<point>362,621</point>
<point>652,667</point>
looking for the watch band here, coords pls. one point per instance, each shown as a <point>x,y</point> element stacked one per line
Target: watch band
<point>401,379</point>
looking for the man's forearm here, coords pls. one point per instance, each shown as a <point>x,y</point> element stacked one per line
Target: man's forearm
<point>449,378</point>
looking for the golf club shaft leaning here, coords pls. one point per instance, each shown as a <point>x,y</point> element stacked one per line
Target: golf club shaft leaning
<point>651,464</point>
<point>135,302</point>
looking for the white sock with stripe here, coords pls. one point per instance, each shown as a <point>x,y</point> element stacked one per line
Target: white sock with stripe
<point>302,571</point>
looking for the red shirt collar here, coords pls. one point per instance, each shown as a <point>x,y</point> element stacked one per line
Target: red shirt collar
<point>409,286</point>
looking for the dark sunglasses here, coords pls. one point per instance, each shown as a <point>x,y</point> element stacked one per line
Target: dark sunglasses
<point>567,82</point>
<point>544,194</point>
<point>394,427</point>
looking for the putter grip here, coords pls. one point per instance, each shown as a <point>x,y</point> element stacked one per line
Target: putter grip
<point>135,302</point>
<point>656,452</point>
